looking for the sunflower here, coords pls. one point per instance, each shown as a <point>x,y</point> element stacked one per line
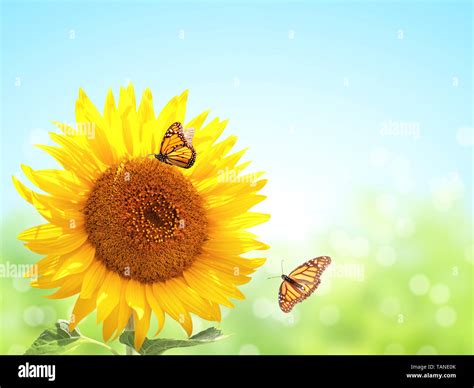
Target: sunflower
<point>132,236</point>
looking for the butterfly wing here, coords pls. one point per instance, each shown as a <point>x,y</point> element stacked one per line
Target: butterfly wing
<point>173,138</point>
<point>188,135</point>
<point>307,277</point>
<point>183,157</point>
<point>288,296</point>
<point>176,148</point>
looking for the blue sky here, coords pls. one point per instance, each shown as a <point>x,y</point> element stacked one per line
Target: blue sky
<point>307,86</point>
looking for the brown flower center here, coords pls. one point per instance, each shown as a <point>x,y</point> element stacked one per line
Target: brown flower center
<point>146,220</point>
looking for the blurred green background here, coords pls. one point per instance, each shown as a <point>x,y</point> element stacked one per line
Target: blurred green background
<point>400,283</point>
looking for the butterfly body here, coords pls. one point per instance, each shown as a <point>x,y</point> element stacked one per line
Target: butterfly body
<point>301,282</point>
<point>176,147</point>
<point>286,278</point>
<point>160,157</point>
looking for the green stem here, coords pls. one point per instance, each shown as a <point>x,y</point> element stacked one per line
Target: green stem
<point>129,351</point>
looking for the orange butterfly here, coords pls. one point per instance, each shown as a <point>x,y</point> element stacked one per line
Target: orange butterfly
<point>301,282</point>
<point>176,147</point>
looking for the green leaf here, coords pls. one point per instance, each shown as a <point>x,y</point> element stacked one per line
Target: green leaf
<point>56,340</point>
<point>161,345</point>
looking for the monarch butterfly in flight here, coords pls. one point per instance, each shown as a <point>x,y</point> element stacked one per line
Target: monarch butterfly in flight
<point>301,282</point>
<point>176,147</point>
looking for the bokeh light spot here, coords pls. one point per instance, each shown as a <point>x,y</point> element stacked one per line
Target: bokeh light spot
<point>33,316</point>
<point>446,316</point>
<point>419,284</point>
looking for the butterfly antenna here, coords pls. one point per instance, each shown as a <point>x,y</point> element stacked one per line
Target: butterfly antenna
<point>274,277</point>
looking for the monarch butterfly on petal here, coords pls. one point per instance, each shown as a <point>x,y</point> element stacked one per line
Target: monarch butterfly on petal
<point>301,282</point>
<point>176,147</point>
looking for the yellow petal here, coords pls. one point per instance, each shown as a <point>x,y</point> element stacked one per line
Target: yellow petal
<point>206,163</point>
<point>82,308</point>
<point>231,264</point>
<point>131,131</point>
<point>41,232</point>
<point>76,155</point>
<point>173,306</point>
<point>181,107</point>
<point>45,282</point>
<point>93,279</point>
<point>52,209</point>
<point>108,296</point>
<point>124,313</point>
<point>109,108</point>
<point>210,132</point>
<point>248,220</point>
<point>210,293</point>
<point>71,286</point>
<point>197,121</point>
<point>110,324</point>
<point>69,163</point>
<point>131,95</point>
<point>135,296</point>
<point>212,280</point>
<point>87,113</point>
<point>141,325</point>
<point>228,276</point>
<point>115,130</point>
<point>146,111</point>
<point>231,242</point>
<point>192,301</point>
<point>166,116</point>
<point>62,245</point>
<point>42,267</point>
<point>58,183</point>
<point>150,143</point>
<point>76,261</point>
<point>231,208</point>
<point>155,306</point>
